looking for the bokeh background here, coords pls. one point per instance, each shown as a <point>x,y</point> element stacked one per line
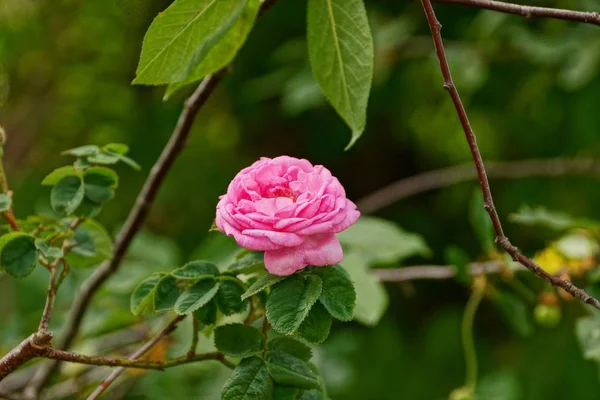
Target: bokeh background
<point>532,90</point>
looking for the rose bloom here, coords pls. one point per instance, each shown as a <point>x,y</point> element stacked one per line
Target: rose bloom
<point>289,209</point>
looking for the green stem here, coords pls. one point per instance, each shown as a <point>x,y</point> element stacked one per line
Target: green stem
<point>467,337</point>
<point>195,329</point>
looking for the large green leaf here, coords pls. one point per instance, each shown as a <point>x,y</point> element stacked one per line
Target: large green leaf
<point>58,174</point>
<point>250,381</point>
<point>371,297</point>
<point>315,327</point>
<point>341,54</point>
<point>238,340</point>
<point>261,284</point>
<point>291,346</point>
<point>291,300</point>
<point>247,262</point>
<point>338,296</point>
<point>229,297</point>
<point>166,293</point>
<point>181,36</point>
<point>382,241</point>
<point>100,183</point>
<point>67,195</point>
<point>18,254</point>
<point>196,270</point>
<point>142,298</point>
<point>224,50</point>
<point>288,370</point>
<point>196,296</point>
<point>207,314</point>
<point>5,202</point>
<point>93,245</point>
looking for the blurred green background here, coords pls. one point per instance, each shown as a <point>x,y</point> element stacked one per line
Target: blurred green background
<point>532,90</point>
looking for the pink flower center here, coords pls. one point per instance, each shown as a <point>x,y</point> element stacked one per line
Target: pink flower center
<point>281,191</point>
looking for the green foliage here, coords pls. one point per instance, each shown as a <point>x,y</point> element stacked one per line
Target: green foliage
<point>291,300</point>
<point>100,184</point>
<point>340,48</point>
<point>588,334</point>
<point>514,311</point>
<point>51,253</point>
<point>196,270</point>
<point>229,296</point>
<point>142,298</point>
<point>288,370</point>
<point>93,245</point>
<point>238,340</point>
<point>5,202</point>
<point>285,393</point>
<point>262,283</point>
<point>290,346</point>
<point>67,195</point>
<point>250,381</point>
<point>166,293</point>
<point>18,254</point>
<point>338,295</point>
<point>207,314</point>
<point>89,155</point>
<point>181,36</point>
<point>315,327</point>
<point>247,262</point>
<point>196,296</point>
<point>58,174</point>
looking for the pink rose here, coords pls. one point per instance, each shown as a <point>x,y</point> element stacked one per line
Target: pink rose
<point>289,209</point>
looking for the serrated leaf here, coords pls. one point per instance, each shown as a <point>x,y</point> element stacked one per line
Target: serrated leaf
<point>207,314</point>
<point>167,292</point>
<point>340,48</point>
<point>181,36</point>
<point>196,296</point>
<point>291,300</point>
<point>261,284</point>
<point>82,151</point>
<point>250,381</point>
<point>100,183</point>
<point>285,393</point>
<point>338,295</point>
<point>104,158</point>
<point>93,245</point>
<point>371,296</point>
<point>223,52</point>
<point>48,251</point>
<point>291,346</point>
<point>238,340</point>
<point>18,254</point>
<point>5,202</point>
<point>142,298</point>
<point>58,174</point>
<point>248,262</point>
<point>288,370</point>
<point>196,270</point>
<point>119,148</point>
<point>130,162</point>
<point>315,327</point>
<point>381,241</point>
<point>229,297</point>
<point>67,195</point>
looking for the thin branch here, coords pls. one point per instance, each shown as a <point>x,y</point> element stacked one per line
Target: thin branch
<point>140,352</point>
<point>444,177</point>
<point>530,11</point>
<point>45,320</point>
<point>488,201</point>
<point>29,348</point>
<point>195,331</point>
<point>435,272</point>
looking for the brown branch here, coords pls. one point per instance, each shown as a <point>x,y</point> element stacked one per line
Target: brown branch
<point>530,11</point>
<point>45,320</point>
<point>29,348</point>
<point>488,201</point>
<point>444,177</point>
<point>140,352</point>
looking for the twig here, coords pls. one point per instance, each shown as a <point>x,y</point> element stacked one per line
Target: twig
<point>488,201</point>
<point>467,334</point>
<point>45,320</point>
<point>140,352</point>
<point>29,348</point>
<point>435,272</point>
<point>444,177</point>
<point>195,331</point>
<point>530,11</point>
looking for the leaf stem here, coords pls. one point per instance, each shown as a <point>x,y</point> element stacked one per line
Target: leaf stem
<point>467,334</point>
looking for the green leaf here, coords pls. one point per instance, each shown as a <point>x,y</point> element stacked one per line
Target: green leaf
<point>224,51</point>
<point>315,394</point>
<point>196,270</point>
<point>238,340</point>
<point>250,381</point>
<point>82,151</point>
<point>229,297</point>
<point>196,296</point>
<point>288,370</point>
<point>291,300</point>
<point>381,241</point>
<point>285,393</point>
<point>248,262</point>
<point>181,36</point>
<point>338,296</point>
<point>100,183</point>
<point>587,331</point>
<point>5,202</point>
<point>142,298</point>
<point>128,161</point>
<point>118,148</point>
<point>481,222</point>
<point>104,158</point>
<point>261,284</point>
<point>514,311</point>
<point>67,194</point>
<point>93,245</point>
<point>58,174</point>
<point>207,314</point>
<point>167,292</point>
<point>315,328</point>
<point>459,260</point>
<point>18,254</point>
<point>51,253</point>
<point>290,346</point>
<point>371,297</point>
<point>340,48</point>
